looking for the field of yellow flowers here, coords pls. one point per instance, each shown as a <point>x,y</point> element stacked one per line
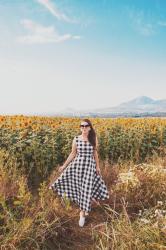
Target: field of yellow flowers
<point>132,154</point>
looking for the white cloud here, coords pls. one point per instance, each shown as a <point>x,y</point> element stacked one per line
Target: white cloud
<point>140,24</point>
<point>54,11</point>
<point>146,29</point>
<point>41,34</point>
<point>162,23</point>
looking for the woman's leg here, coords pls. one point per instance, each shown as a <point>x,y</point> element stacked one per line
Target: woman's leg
<point>82,213</point>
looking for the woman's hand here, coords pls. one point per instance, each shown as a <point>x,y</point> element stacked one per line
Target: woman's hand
<point>61,168</point>
<point>98,171</point>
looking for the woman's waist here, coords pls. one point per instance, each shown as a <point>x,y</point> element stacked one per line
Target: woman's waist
<point>85,154</point>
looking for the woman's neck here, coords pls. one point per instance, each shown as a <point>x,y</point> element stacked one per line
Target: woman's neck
<point>84,137</point>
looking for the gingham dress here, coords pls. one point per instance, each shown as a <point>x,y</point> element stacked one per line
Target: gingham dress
<point>80,181</point>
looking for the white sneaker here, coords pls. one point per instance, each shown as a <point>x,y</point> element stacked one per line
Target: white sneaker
<point>81,221</point>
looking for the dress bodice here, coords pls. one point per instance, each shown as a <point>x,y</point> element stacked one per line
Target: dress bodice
<point>84,148</point>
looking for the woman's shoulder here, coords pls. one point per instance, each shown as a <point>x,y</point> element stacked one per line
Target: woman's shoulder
<point>76,137</point>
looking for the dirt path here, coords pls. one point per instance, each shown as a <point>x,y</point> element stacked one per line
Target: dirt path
<point>81,238</point>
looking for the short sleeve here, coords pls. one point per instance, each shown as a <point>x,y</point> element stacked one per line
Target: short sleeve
<point>74,140</point>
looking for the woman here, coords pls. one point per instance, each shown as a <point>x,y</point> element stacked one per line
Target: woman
<point>81,181</point>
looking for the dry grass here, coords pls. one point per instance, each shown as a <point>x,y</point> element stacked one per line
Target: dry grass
<point>44,221</point>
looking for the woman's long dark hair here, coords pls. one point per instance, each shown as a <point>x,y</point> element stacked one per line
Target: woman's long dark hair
<point>92,133</point>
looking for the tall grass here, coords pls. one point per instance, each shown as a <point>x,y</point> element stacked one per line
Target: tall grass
<point>132,155</point>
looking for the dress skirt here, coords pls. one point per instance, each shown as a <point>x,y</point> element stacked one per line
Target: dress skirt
<point>80,181</point>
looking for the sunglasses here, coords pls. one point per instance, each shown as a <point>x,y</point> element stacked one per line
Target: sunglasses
<point>84,126</point>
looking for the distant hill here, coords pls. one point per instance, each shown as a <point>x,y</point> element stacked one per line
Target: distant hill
<point>140,106</point>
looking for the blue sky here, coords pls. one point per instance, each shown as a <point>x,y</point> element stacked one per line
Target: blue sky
<point>80,54</point>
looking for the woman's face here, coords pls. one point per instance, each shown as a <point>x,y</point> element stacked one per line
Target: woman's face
<point>85,127</point>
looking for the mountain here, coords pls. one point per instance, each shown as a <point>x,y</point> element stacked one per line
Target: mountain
<point>142,100</point>
<point>139,105</point>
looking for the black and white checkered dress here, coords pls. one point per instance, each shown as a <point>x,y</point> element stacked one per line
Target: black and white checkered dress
<point>80,181</point>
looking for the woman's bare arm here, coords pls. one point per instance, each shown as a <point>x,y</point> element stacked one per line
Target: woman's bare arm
<point>95,153</point>
<point>72,154</point>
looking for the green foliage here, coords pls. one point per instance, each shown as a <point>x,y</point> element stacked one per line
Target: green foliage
<point>37,153</point>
